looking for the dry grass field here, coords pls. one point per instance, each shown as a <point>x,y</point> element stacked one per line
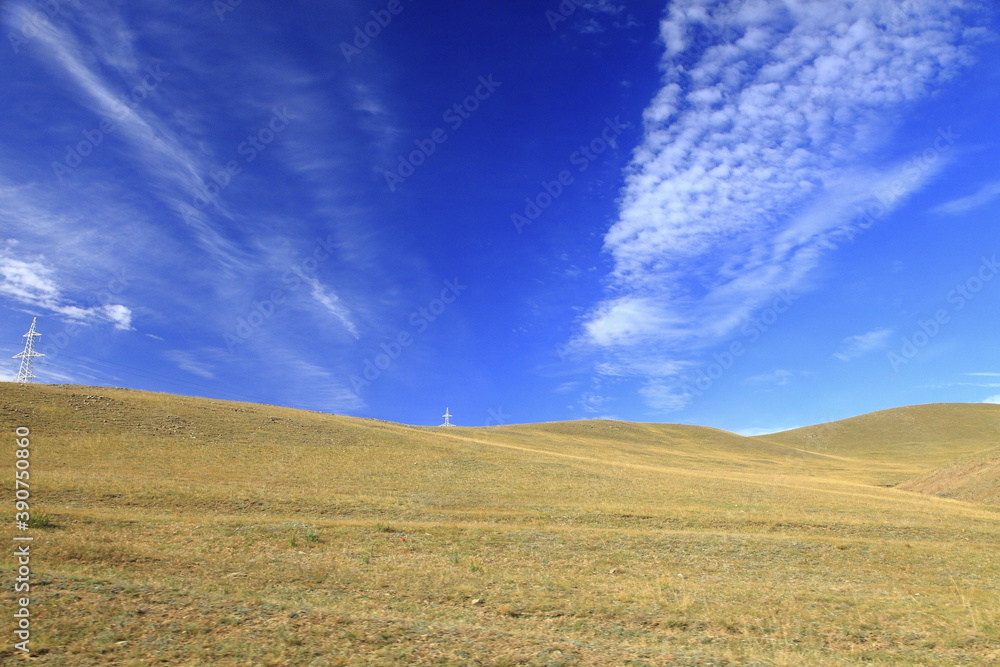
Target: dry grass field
<point>184,531</point>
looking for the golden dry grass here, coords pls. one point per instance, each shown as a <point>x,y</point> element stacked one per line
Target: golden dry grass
<point>975,478</point>
<point>200,532</point>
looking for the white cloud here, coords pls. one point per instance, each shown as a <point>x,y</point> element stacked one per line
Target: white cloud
<point>853,347</point>
<point>318,388</point>
<point>593,402</point>
<point>779,377</point>
<point>993,399</point>
<point>665,396</point>
<point>755,163</point>
<point>186,361</point>
<point>980,198</point>
<point>595,17</point>
<point>627,320</point>
<point>33,283</point>
<point>331,302</point>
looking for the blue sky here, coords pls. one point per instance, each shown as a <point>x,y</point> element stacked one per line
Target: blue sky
<point>753,214</point>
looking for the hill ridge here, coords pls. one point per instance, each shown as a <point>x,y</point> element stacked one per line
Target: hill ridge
<point>907,447</point>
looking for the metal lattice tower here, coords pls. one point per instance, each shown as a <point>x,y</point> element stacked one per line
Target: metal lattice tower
<point>447,418</point>
<point>26,373</point>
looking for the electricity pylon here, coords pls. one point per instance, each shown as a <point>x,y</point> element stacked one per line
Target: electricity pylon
<point>26,373</point>
<point>447,418</point>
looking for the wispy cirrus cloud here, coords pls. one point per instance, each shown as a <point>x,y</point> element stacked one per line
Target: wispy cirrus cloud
<point>187,361</point>
<point>757,155</point>
<point>170,143</point>
<point>332,303</point>
<point>85,47</point>
<point>779,377</point>
<point>978,199</point>
<point>857,346</point>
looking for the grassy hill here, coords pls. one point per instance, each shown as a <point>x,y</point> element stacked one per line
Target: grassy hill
<point>190,531</point>
<point>919,434</point>
<point>975,478</point>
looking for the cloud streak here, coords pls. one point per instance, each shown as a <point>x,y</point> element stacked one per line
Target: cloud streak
<point>854,347</point>
<point>332,303</point>
<point>186,361</point>
<point>978,199</point>
<point>151,141</point>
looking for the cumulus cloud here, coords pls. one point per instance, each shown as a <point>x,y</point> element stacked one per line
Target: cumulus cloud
<point>757,160</point>
<point>993,399</point>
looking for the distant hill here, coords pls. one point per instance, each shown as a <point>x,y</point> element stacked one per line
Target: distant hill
<point>953,439</point>
<point>929,434</point>
<point>885,448</point>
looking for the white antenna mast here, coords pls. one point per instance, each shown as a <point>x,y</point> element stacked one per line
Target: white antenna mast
<point>26,373</point>
<point>447,418</point>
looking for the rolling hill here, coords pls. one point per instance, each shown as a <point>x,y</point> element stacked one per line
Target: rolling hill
<point>961,439</point>
<point>920,433</point>
<point>975,478</point>
<point>195,531</point>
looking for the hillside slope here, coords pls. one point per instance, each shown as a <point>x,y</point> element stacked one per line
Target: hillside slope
<point>973,479</point>
<point>176,530</point>
<point>924,435</point>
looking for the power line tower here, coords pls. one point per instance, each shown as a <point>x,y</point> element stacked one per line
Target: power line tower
<point>26,373</point>
<point>447,418</point>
